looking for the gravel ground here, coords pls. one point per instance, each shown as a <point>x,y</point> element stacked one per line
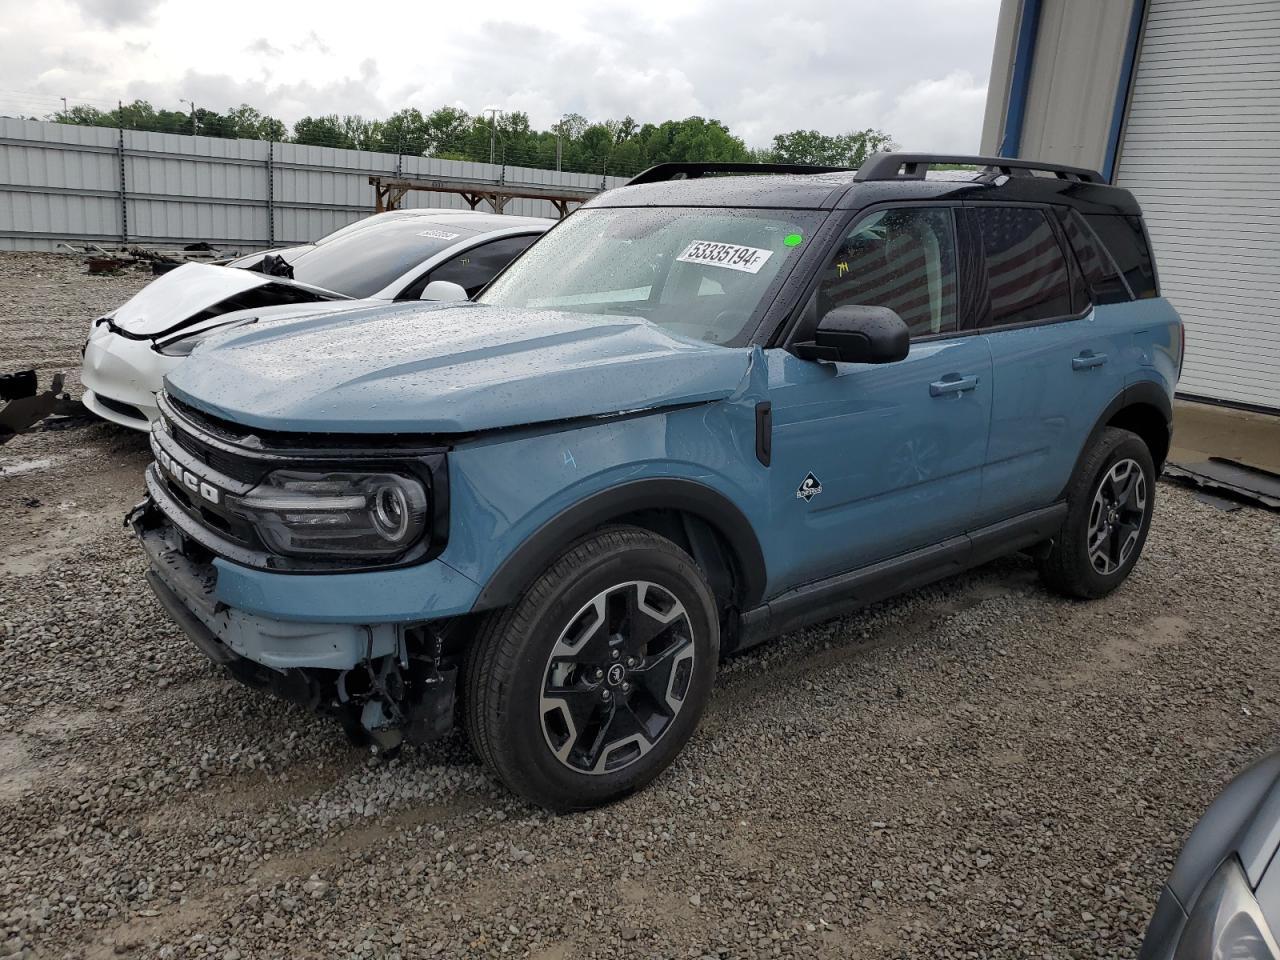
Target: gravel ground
<point>977,769</point>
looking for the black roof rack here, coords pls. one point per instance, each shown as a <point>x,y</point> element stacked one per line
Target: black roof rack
<point>672,171</point>
<point>914,166</point>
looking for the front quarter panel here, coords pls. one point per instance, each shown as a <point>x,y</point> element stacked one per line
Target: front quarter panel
<point>507,486</point>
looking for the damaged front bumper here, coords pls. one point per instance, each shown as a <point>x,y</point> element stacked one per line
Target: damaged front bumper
<point>385,682</point>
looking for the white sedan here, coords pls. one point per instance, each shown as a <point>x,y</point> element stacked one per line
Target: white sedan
<point>399,255</point>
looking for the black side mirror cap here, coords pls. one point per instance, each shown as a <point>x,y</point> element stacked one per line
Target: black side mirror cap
<point>857,334</point>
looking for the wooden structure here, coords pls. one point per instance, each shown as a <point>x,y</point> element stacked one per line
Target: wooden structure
<point>390,190</point>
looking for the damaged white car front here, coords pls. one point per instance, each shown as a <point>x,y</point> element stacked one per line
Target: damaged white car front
<point>130,350</point>
<point>401,255</point>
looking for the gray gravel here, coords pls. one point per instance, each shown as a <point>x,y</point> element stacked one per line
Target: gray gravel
<point>977,769</point>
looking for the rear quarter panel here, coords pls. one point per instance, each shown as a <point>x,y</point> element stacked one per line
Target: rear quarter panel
<point>1154,333</point>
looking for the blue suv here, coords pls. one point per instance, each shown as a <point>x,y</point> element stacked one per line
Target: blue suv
<point>711,406</point>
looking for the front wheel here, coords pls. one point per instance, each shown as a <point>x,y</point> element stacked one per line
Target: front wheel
<point>1109,506</point>
<point>589,685</point>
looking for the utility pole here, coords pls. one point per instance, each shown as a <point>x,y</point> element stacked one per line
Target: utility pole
<point>64,109</point>
<point>195,126</point>
<point>493,130</point>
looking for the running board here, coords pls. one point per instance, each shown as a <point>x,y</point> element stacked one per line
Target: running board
<point>846,592</point>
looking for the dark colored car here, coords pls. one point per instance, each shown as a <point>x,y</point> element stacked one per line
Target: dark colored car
<point>1222,901</point>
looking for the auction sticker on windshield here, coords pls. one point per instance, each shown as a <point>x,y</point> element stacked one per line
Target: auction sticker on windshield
<point>438,234</point>
<point>728,255</point>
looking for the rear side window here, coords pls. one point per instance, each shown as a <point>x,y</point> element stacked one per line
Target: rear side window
<point>1099,270</point>
<point>1127,243</point>
<point>473,268</point>
<point>1027,274</point>
<point>904,259</point>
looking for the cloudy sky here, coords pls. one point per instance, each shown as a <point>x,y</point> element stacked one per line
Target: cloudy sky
<point>915,68</point>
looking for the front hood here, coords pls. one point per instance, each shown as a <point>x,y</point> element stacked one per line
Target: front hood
<point>449,368</point>
<point>197,292</point>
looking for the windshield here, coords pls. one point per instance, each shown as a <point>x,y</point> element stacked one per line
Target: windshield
<point>700,273</point>
<point>361,262</point>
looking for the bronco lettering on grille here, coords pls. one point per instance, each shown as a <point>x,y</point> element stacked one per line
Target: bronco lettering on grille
<point>185,477</point>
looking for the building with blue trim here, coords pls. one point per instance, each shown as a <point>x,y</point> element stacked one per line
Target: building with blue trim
<point>1178,100</point>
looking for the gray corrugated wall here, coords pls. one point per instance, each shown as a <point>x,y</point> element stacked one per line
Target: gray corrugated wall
<point>62,182</point>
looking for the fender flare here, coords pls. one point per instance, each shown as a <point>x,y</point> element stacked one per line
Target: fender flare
<point>1146,392</point>
<point>539,550</point>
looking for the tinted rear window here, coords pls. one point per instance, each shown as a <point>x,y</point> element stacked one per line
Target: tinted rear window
<point>1099,271</point>
<point>1127,243</point>
<point>1027,274</point>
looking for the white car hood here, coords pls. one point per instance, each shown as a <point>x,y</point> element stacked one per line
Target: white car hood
<point>196,295</point>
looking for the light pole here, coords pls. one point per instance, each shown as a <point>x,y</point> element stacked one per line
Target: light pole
<point>559,128</point>
<point>493,129</point>
<point>64,109</point>
<point>195,125</point>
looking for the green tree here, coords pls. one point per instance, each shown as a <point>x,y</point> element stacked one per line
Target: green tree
<point>446,128</point>
<point>84,116</point>
<point>364,134</point>
<point>406,131</point>
<point>570,126</point>
<point>247,123</point>
<point>862,143</point>
<point>620,147</point>
<point>693,138</point>
<point>622,130</point>
<point>325,131</point>
<point>841,150</point>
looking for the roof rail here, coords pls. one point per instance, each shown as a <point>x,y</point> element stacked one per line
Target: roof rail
<point>673,171</point>
<point>914,166</point>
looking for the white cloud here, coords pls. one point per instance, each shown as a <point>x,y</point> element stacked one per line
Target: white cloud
<point>116,13</point>
<point>915,68</point>
<point>943,115</point>
<point>265,47</point>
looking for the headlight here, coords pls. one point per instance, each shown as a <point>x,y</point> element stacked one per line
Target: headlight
<point>1227,921</point>
<point>312,513</point>
<point>181,346</point>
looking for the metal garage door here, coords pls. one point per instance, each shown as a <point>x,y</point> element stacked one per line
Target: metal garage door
<point>1201,152</point>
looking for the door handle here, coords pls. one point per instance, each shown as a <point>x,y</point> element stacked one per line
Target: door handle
<point>952,384</point>
<point>1087,360</point>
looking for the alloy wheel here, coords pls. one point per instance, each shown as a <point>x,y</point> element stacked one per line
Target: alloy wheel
<point>617,677</point>
<point>1116,516</point>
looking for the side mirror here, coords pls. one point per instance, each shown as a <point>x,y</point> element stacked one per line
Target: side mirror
<point>857,334</point>
<point>443,290</point>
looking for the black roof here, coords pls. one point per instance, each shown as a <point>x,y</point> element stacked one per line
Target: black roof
<point>1008,181</point>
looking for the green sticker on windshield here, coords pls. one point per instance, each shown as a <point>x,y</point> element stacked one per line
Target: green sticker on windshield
<point>793,240</point>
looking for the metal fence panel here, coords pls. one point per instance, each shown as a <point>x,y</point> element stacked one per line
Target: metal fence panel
<point>60,182</point>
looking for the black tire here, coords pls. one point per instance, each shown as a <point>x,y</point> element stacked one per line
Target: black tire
<point>513,705</point>
<point>1072,566</point>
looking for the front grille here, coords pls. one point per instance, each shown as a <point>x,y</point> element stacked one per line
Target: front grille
<point>200,464</point>
<point>241,468</point>
<point>210,468</point>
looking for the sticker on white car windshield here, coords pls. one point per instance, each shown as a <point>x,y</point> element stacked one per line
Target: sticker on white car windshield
<point>438,234</point>
<point>727,255</point>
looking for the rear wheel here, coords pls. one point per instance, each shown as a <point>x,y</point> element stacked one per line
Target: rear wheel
<point>1109,506</point>
<point>589,685</point>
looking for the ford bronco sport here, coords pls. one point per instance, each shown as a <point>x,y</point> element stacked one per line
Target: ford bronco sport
<point>703,410</point>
